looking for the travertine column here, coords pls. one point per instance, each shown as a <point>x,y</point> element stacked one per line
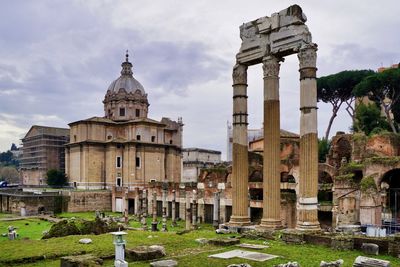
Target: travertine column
<point>307,202</point>
<point>137,201</point>
<point>271,162</point>
<point>240,163</point>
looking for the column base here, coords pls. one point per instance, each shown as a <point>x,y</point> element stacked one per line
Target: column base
<point>270,224</point>
<point>236,221</point>
<point>308,226</point>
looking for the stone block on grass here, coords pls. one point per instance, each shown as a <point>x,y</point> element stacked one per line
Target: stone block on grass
<point>164,263</point>
<point>143,253</point>
<point>224,241</point>
<point>87,260</point>
<point>370,248</point>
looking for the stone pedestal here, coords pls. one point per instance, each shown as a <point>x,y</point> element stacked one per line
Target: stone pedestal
<point>307,202</point>
<point>271,161</point>
<point>240,202</point>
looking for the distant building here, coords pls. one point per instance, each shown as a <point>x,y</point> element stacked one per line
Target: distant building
<point>252,134</point>
<point>124,150</point>
<point>194,159</point>
<point>43,149</point>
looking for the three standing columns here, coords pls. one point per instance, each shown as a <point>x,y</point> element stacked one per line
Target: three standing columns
<point>271,170</point>
<point>307,202</point>
<point>240,202</point>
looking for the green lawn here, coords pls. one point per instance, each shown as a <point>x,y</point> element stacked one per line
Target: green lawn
<point>183,248</point>
<point>27,228</point>
<point>7,215</point>
<point>90,215</point>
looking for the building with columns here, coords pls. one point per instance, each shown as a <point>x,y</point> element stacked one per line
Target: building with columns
<point>124,149</point>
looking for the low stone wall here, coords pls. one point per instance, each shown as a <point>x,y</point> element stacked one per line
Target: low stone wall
<point>80,201</point>
<point>382,243</point>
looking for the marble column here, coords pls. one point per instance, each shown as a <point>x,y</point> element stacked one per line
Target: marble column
<point>137,201</point>
<point>144,215</point>
<point>154,212</point>
<point>307,201</point>
<point>188,211</point>
<point>194,210</point>
<point>216,210</point>
<point>271,161</point>
<point>173,211</point>
<point>240,165</point>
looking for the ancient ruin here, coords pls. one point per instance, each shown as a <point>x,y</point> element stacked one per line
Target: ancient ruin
<point>268,40</point>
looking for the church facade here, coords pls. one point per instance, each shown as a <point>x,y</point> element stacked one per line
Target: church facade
<point>125,148</point>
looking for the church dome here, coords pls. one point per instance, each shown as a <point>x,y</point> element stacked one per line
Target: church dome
<point>126,81</point>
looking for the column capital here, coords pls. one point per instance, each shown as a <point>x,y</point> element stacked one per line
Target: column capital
<point>271,66</point>
<point>308,56</point>
<point>239,74</point>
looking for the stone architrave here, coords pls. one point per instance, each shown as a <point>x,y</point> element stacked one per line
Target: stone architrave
<point>271,161</point>
<point>307,201</point>
<point>240,166</point>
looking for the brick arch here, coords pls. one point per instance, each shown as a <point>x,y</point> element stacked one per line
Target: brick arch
<point>329,169</point>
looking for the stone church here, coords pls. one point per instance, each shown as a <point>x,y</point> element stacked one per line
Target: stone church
<point>124,149</point>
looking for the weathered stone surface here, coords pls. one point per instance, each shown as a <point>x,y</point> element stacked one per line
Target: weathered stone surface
<point>202,241</point>
<point>253,246</point>
<point>145,253</point>
<point>85,241</point>
<point>337,263</point>
<point>342,243</point>
<point>224,241</point>
<point>222,231</point>
<point>164,263</point>
<point>394,247</point>
<point>293,237</point>
<point>87,260</point>
<point>289,264</point>
<point>239,265</point>
<point>370,262</point>
<point>249,255</point>
<point>370,248</point>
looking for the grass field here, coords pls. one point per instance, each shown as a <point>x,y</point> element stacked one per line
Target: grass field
<point>182,248</point>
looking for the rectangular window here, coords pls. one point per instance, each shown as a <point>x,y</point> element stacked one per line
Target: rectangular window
<point>153,139</point>
<point>119,162</point>
<point>122,112</point>
<point>119,181</point>
<point>138,137</point>
<point>137,112</point>
<point>138,162</point>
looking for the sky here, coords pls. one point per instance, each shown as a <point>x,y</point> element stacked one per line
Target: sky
<point>57,59</point>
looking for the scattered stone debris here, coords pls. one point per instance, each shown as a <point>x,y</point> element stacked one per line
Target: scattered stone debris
<point>337,263</point>
<point>85,241</point>
<point>289,264</point>
<point>248,255</point>
<point>239,265</point>
<point>224,241</point>
<point>370,248</point>
<point>164,263</point>
<point>81,261</point>
<point>145,253</point>
<point>202,241</point>
<point>370,262</point>
<point>222,231</point>
<point>253,246</point>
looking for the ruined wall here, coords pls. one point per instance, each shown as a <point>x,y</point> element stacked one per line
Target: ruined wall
<point>88,200</point>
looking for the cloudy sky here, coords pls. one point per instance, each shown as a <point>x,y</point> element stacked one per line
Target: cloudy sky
<point>57,59</point>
